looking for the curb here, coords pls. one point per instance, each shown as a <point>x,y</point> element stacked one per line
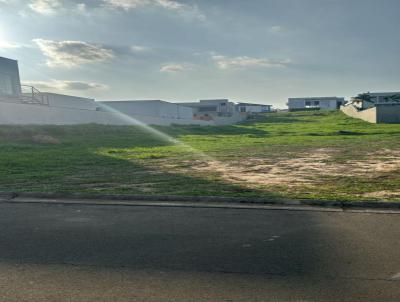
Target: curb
<point>9,196</point>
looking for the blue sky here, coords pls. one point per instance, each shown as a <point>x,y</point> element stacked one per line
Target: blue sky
<point>261,51</point>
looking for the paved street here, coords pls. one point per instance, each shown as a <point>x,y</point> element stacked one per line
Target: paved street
<point>58,252</point>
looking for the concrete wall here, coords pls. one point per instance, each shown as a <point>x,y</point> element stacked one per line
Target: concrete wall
<point>153,108</point>
<point>389,114</point>
<point>368,115</point>
<point>66,101</point>
<point>27,114</point>
<point>380,114</point>
<point>10,83</point>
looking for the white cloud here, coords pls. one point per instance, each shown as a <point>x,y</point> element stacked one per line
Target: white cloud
<point>72,53</point>
<point>132,4</point>
<point>171,5</point>
<point>126,4</point>
<point>224,62</point>
<point>6,44</point>
<point>45,7</point>
<point>140,49</point>
<point>59,86</point>
<point>275,29</point>
<point>174,68</point>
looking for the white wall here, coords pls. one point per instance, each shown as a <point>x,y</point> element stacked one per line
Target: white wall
<point>66,101</point>
<point>296,104</point>
<point>27,114</point>
<point>153,108</point>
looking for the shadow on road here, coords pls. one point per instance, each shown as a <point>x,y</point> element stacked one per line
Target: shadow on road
<point>307,248</point>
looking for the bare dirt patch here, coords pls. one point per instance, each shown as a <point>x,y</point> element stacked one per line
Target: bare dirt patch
<point>383,194</point>
<point>305,169</point>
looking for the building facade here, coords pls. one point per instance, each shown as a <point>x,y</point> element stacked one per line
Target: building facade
<point>369,100</point>
<point>253,108</point>
<point>315,103</point>
<point>10,84</point>
<point>211,109</point>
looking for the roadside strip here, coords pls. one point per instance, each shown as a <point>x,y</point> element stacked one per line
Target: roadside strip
<point>197,202</point>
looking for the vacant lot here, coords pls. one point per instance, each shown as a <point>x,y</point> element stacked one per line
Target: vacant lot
<point>297,155</point>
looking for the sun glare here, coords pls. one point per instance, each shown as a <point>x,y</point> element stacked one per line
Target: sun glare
<point>4,43</point>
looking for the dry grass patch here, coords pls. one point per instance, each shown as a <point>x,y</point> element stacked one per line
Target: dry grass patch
<point>307,169</point>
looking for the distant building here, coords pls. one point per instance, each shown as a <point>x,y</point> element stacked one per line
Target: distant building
<point>315,103</point>
<point>369,100</point>
<point>253,108</point>
<point>10,84</point>
<point>378,107</point>
<point>211,109</point>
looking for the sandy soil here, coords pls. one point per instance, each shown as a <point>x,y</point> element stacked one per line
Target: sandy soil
<point>306,169</point>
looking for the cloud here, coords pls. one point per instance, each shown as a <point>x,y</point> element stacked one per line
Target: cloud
<point>58,85</point>
<point>170,5</point>
<point>174,68</point>
<point>45,7</point>
<point>140,49</point>
<point>241,62</point>
<point>276,29</point>
<point>72,53</point>
<point>6,44</point>
<point>132,4</point>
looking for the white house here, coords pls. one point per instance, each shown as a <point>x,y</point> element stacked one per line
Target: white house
<point>253,108</point>
<point>211,109</point>
<point>315,103</point>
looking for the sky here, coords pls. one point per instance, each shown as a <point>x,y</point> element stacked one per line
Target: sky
<point>261,51</point>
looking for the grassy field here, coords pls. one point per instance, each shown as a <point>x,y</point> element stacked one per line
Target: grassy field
<point>293,155</point>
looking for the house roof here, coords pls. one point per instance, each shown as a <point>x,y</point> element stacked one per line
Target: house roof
<point>250,104</point>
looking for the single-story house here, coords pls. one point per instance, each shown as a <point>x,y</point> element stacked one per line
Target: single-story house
<point>253,108</point>
<point>315,103</point>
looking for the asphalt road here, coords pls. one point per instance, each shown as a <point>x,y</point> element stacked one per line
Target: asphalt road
<point>55,252</point>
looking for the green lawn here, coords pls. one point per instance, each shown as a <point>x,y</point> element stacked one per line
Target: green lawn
<point>296,155</point>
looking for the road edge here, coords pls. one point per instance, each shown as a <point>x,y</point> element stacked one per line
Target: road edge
<point>9,196</point>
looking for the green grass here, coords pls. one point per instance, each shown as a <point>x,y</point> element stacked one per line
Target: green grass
<point>128,160</point>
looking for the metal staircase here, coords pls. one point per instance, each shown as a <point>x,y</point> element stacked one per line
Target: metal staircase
<point>29,95</point>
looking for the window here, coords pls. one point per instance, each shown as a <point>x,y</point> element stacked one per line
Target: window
<point>208,108</point>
